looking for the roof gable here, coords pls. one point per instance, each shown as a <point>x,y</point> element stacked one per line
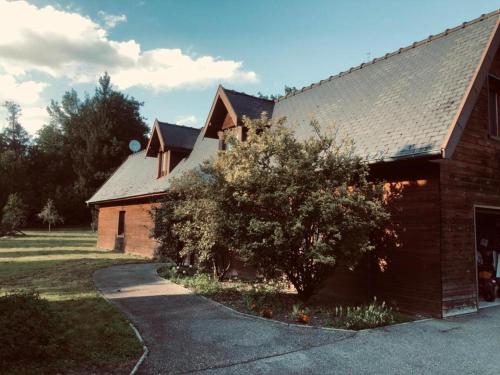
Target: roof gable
<point>229,107</point>
<point>167,136</point>
<point>401,105</point>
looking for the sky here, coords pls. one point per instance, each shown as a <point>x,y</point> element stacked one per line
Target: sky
<point>172,55</point>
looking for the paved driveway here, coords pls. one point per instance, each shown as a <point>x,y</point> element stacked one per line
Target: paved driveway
<point>187,334</point>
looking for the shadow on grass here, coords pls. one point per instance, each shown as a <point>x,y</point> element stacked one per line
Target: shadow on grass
<point>98,340</point>
<point>27,242</point>
<point>43,252</point>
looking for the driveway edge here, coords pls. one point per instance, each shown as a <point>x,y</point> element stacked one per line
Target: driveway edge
<point>145,350</point>
<point>256,316</point>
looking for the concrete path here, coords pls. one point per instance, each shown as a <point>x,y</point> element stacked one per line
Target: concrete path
<point>188,334</point>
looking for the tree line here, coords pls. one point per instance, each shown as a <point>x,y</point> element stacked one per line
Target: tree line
<point>71,156</point>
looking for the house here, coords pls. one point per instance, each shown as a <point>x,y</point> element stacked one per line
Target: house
<point>427,119</point>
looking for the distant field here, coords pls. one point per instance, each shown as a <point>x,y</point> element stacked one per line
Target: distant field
<point>59,265</point>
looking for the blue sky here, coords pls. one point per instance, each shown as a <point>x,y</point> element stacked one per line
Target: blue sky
<point>172,54</point>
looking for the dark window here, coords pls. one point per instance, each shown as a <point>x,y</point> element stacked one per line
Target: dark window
<point>493,107</point>
<point>121,223</point>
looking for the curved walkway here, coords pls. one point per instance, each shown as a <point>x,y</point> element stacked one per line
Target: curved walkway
<point>186,333</point>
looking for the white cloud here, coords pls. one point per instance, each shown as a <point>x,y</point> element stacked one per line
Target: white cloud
<point>24,93</point>
<point>62,43</point>
<point>111,20</point>
<point>189,120</point>
<point>28,95</point>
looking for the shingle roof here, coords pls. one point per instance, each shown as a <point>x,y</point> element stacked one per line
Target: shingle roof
<point>401,104</point>
<point>397,106</point>
<point>137,176</point>
<point>178,135</point>
<point>248,105</point>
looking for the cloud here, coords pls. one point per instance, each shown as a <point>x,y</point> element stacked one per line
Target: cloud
<point>189,120</point>
<point>111,20</point>
<point>65,44</point>
<point>25,93</point>
<point>28,95</point>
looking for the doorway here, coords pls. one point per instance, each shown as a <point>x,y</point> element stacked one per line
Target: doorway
<point>487,233</point>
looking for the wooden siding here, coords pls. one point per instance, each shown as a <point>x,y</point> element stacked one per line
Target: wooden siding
<point>412,279</point>
<point>471,177</point>
<point>138,224</point>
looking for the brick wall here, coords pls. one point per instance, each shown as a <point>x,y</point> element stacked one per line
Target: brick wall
<point>138,224</point>
<point>471,177</point>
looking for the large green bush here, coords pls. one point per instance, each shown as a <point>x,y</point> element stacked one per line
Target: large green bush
<point>30,330</point>
<point>288,207</point>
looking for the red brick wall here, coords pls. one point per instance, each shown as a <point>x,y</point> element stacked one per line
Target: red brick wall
<point>471,177</point>
<point>138,224</point>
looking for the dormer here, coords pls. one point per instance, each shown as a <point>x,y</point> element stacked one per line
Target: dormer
<point>170,143</point>
<point>228,109</point>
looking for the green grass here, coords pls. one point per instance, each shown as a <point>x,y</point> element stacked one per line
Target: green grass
<point>59,265</point>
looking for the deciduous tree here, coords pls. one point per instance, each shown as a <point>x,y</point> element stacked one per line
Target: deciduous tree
<point>50,215</point>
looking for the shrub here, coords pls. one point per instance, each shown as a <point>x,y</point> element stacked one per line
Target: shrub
<point>300,314</point>
<point>365,316</point>
<point>30,330</point>
<point>189,277</point>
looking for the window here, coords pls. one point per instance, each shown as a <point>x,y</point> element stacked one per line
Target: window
<point>493,106</point>
<point>121,223</point>
<point>163,161</point>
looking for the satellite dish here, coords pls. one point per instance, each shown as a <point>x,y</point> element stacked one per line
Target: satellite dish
<point>134,145</point>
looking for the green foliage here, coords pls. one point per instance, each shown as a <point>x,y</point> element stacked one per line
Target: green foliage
<point>71,156</point>
<point>49,214</point>
<point>14,214</point>
<point>30,329</point>
<point>288,207</point>
<point>365,316</point>
<point>14,137</point>
<point>201,283</point>
<point>191,222</point>
<point>287,90</point>
<point>96,133</point>
<point>297,207</point>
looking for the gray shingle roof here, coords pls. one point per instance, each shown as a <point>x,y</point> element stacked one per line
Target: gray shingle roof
<point>248,105</point>
<point>178,135</point>
<point>137,176</point>
<point>400,105</point>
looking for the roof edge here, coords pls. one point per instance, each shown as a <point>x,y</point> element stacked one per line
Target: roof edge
<point>471,94</point>
<point>427,40</point>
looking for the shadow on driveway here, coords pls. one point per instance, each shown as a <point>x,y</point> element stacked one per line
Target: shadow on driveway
<point>186,333</point>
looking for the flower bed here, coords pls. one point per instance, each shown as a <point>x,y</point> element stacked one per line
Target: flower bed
<point>278,301</point>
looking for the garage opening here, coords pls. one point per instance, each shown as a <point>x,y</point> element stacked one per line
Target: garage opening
<point>487,227</point>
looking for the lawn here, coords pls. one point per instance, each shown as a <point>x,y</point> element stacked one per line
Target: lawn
<point>59,265</point>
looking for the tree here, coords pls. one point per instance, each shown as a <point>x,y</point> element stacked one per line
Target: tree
<point>296,208</point>
<point>287,90</point>
<point>14,154</point>
<point>192,223</point>
<point>49,214</point>
<point>14,136</point>
<point>98,130</point>
<point>14,214</point>
<point>86,140</point>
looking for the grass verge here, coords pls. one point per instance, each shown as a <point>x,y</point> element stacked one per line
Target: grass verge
<point>280,302</point>
<point>59,266</point>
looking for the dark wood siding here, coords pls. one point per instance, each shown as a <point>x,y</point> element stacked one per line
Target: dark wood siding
<point>471,177</point>
<point>412,279</point>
